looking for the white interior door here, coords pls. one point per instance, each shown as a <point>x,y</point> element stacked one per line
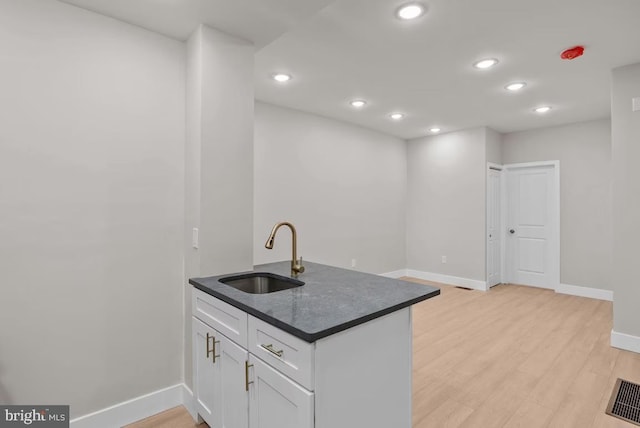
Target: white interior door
<point>494,227</point>
<point>533,215</point>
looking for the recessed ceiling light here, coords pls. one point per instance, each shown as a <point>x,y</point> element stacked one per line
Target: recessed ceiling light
<point>485,63</point>
<point>396,116</point>
<point>542,109</point>
<point>410,11</point>
<point>358,103</point>
<point>281,77</point>
<point>515,86</point>
<point>435,130</point>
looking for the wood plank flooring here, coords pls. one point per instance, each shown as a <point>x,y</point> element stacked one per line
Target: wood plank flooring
<point>512,357</point>
<point>515,357</point>
<point>178,417</point>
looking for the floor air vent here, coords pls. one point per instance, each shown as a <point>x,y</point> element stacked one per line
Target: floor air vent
<point>625,402</point>
<point>464,288</point>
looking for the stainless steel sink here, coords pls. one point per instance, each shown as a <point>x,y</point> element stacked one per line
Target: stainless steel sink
<point>260,282</point>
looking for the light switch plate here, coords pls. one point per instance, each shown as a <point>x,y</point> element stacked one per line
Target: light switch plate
<point>635,104</point>
<point>195,238</point>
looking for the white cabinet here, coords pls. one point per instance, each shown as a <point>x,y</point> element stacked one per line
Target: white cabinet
<point>250,374</point>
<point>231,385</point>
<point>221,396</point>
<point>276,401</point>
<point>234,389</point>
<point>204,371</point>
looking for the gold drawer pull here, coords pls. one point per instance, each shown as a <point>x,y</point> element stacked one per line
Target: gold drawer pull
<point>271,349</point>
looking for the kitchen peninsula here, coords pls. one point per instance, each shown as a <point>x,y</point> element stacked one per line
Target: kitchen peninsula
<point>334,352</point>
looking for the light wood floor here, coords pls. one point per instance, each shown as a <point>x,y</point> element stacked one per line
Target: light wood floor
<point>512,357</point>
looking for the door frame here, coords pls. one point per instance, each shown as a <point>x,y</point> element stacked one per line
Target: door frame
<point>555,220</point>
<point>500,168</point>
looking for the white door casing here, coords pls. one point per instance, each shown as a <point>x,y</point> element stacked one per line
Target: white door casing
<point>533,224</point>
<point>494,225</point>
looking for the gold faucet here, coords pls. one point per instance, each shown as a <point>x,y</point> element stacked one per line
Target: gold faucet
<point>296,267</point>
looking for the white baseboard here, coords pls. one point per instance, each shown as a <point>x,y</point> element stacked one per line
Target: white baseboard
<point>136,409</point>
<point>447,279</point>
<point>592,293</point>
<point>625,341</point>
<point>574,290</point>
<point>544,287</point>
<point>395,274</point>
<point>189,402</point>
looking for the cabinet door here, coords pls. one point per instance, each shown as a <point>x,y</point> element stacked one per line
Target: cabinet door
<point>205,373</point>
<point>232,384</point>
<point>275,401</point>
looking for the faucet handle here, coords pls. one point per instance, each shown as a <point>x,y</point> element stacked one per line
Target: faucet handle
<point>300,268</point>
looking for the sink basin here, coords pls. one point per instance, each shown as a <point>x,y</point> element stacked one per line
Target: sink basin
<point>260,283</point>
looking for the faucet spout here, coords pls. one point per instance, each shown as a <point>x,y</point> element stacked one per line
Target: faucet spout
<point>296,267</point>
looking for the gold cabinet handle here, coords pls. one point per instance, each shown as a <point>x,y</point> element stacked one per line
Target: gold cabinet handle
<point>209,350</point>
<point>271,349</point>
<point>212,351</point>
<point>246,375</point>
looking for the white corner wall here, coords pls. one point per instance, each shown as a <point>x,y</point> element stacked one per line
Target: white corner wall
<point>91,207</point>
<point>494,146</point>
<point>446,205</point>
<point>219,153</point>
<point>218,162</point>
<point>626,207</point>
<point>342,186</point>
<point>584,152</point>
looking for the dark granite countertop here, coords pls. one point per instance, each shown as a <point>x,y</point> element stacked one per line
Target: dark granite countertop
<point>332,299</point>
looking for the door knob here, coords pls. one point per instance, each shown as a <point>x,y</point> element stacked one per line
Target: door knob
<point>511,231</point>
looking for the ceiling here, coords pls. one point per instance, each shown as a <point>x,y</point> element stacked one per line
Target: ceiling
<point>344,49</point>
<point>260,21</point>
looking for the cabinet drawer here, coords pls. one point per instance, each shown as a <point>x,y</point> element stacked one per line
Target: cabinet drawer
<point>228,320</point>
<point>284,352</point>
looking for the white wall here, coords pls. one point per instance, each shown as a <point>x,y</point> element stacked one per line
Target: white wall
<point>494,146</point>
<point>446,204</point>
<point>584,152</point>
<point>91,192</point>
<point>626,202</point>
<point>226,173</point>
<point>342,186</point>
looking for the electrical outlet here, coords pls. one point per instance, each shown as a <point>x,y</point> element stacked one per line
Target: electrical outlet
<point>635,104</point>
<point>353,263</point>
<point>444,259</point>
